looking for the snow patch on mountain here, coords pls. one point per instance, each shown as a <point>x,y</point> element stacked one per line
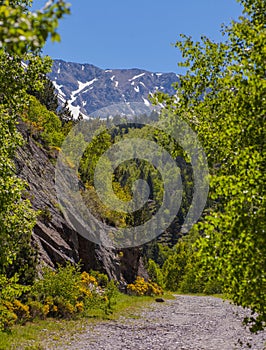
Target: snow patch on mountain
<point>83,85</point>
<point>87,88</point>
<point>75,110</point>
<point>61,94</point>
<point>137,76</point>
<point>85,91</point>
<point>146,102</point>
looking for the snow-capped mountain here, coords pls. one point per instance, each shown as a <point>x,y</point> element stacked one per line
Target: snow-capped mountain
<point>87,88</point>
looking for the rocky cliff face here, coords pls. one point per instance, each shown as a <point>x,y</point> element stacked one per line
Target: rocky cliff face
<point>57,242</point>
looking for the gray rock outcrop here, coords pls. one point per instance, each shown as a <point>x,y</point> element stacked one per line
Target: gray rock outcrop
<point>57,242</point>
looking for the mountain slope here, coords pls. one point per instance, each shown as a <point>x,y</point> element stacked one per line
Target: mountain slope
<point>88,88</point>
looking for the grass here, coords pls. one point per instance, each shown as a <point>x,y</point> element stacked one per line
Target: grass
<point>48,333</point>
<point>32,336</point>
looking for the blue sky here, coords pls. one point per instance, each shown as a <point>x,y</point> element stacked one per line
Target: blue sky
<point>136,34</point>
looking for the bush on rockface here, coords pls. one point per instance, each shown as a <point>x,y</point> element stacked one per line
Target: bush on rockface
<point>43,123</point>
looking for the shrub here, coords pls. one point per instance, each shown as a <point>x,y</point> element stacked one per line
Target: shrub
<point>37,309</point>
<point>64,293</point>
<point>61,283</point>
<point>190,282</point>
<point>10,307</point>
<point>110,295</point>
<point>140,287</point>
<point>7,318</point>
<point>44,123</point>
<point>56,293</point>
<point>68,292</point>
<point>101,278</point>
<point>155,273</point>
<point>21,310</point>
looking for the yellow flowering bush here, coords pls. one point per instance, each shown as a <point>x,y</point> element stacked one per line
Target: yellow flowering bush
<point>67,292</point>
<point>21,310</point>
<point>141,287</point>
<point>7,318</point>
<point>85,292</point>
<point>64,293</point>
<point>88,280</point>
<point>46,309</point>
<point>11,309</point>
<point>80,306</point>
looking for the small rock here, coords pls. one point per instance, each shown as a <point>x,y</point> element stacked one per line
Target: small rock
<point>160,300</point>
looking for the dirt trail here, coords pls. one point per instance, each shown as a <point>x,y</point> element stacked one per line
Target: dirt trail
<point>186,323</point>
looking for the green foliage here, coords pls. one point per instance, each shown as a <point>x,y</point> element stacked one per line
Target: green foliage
<point>155,273</point>
<point>23,31</point>
<point>64,293</point>
<point>68,292</point>
<point>126,174</point>
<point>47,96</point>
<point>16,217</point>
<point>190,282</point>
<point>98,145</point>
<point>177,268</point>
<point>22,35</point>
<point>44,123</point>
<point>174,267</point>
<point>222,97</point>
<point>111,293</point>
<point>10,307</point>
<point>61,284</point>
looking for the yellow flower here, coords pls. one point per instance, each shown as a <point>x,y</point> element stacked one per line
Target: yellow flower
<point>80,306</point>
<point>46,309</point>
<point>88,279</point>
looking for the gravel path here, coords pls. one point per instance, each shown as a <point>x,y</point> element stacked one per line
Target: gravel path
<point>186,323</point>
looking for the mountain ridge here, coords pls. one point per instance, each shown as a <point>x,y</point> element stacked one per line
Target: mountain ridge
<point>87,88</point>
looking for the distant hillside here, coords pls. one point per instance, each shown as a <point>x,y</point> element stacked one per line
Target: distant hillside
<point>88,88</point>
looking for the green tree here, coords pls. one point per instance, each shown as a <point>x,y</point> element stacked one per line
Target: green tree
<point>155,273</point>
<point>222,96</point>
<point>174,266</point>
<point>47,96</point>
<point>22,35</point>
<point>47,122</point>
